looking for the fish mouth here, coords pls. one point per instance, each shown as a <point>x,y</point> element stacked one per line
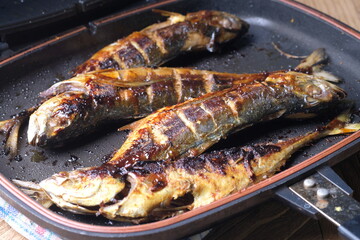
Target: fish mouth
<point>45,124</point>
<point>37,129</point>
<point>56,118</point>
<point>233,23</point>
<point>341,94</point>
<point>44,130</point>
<point>77,188</point>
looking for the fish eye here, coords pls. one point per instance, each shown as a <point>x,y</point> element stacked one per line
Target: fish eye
<point>314,90</point>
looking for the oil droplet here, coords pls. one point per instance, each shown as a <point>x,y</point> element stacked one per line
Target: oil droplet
<point>73,158</point>
<point>38,156</point>
<point>18,158</point>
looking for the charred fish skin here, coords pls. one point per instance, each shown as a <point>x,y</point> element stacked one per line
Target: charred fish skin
<point>209,177</point>
<point>75,106</point>
<point>186,85</point>
<point>191,127</point>
<point>164,135</point>
<point>160,42</point>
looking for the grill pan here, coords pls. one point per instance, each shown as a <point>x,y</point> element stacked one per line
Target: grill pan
<point>297,29</point>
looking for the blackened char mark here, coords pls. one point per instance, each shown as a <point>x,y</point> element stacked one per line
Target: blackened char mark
<point>102,93</point>
<point>173,37</point>
<point>74,104</point>
<point>216,161</point>
<point>151,52</point>
<point>192,165</point>
<point>154,171</point>
<point>105,64</point>
<point>130,57</point>
<point>88,66</point>
<point>192,86</point>
<point>142,149</point>
<point>144,168</point>
<point>259,150</point>
<point>163,94</point>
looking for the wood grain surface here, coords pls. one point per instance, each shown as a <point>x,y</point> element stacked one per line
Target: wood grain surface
<point>273,220</point>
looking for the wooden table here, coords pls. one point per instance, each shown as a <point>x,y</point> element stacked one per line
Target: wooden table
<point>273,220</point>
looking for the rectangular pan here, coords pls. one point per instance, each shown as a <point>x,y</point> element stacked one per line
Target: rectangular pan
<point>298,29</point>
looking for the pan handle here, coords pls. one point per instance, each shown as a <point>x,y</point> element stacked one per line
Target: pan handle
<point>331,199</point>
<point>351,228</point>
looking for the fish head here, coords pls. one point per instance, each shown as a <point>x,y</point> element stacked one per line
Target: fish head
<point>82,188</point>
<point>228,25</point>
<point>57,117</point>
<point>317,90</point>
<point>314,90</point>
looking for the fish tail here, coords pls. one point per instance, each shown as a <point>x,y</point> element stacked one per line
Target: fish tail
<point>314,63</point>
<point>11,129</point>
<point>317,57</point>
<point>341,125</point>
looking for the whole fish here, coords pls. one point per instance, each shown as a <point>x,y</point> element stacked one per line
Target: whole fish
<point>157,188</point>
<point>188,129</point>
<point>78,105</point>
<point>160,42</point>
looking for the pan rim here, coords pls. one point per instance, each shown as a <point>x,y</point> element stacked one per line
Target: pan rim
<point>72,224</point>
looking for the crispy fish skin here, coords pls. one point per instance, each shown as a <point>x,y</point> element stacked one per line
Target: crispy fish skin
<point>208,177</point>
<point>77,105</point>
<point>189,128</point>
<point>160,42</point>
<point>153,185</point>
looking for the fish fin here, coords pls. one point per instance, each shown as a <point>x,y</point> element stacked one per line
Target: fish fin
<point>173,17</point>
<point>63,86</point>
<point>275,115</point>
<point>131,126</point>
<point>167,13</point>
<point>326,75</point>
<point>126,84</point>
<point>301,115</point>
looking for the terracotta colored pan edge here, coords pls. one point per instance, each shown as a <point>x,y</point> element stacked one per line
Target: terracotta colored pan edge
<point>160,224</point>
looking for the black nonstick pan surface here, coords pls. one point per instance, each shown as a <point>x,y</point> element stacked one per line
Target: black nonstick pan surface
<point>297,32</point>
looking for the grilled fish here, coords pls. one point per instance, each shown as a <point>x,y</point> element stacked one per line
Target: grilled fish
<point>160,42</point>
<point>77,105</point>
<point>211,176</point>
<point>154,185</point>
<point>80,103</point>
<point>188,129</point>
